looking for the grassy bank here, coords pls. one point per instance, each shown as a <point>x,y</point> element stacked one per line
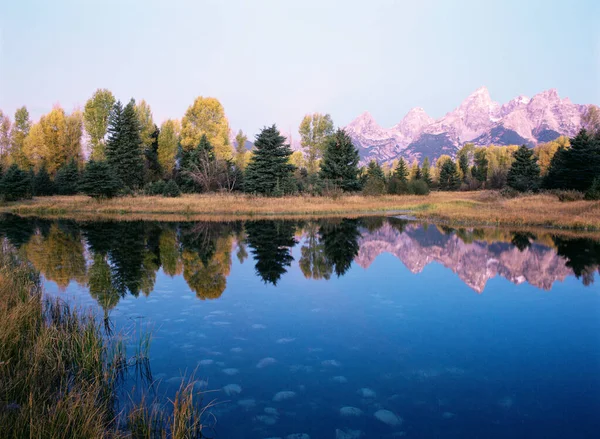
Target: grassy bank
<point>59,373</point>
<point>459,208</point>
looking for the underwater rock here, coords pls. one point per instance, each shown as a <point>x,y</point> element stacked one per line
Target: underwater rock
<point>506,402</point>
<point>271,411</point>
<point>232,389</point>
<point>340,379</point>
<point>236,350</point>
<point>200,384</point>
<point>332,363</point>
<point>206,362</point>
<point>388,417</point>
<point>350,411</point>
<point>265,362</point>
<point>367,393</point>
<point>283,395</point>
<point>447,415</point>
<point>297,436</point>
<point>175,381</point>
<point>285,340</point>
<point>258,326</point>
<point>247,403</point>
<point>347,434</point>
<point>231,371</point>
<point>267,420</point>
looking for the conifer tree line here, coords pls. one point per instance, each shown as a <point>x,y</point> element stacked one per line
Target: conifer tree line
<point>112,148</point>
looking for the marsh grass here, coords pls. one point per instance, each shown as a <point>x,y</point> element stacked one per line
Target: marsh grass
<point>59,372</point>
<point>460,208</point>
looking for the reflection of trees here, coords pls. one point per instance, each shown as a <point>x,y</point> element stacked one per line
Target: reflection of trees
<point>522,240</point>
<point>206,257</point>
<point>340,243</point>
<point>242,253</point>
<point>270,243</point>
<point>169,252</point>
<point>582,255</point>
<point>313,262</point>
<point>59,255</point>
<point>100,283</point>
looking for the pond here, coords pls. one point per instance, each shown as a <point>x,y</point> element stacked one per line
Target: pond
<point>346,328</point>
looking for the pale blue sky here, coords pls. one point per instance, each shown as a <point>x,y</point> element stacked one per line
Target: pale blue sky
<point>274,61</point>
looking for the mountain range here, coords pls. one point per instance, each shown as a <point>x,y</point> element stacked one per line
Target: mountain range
<point>478,119</point>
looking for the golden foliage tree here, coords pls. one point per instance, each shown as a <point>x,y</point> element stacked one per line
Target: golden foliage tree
<point>168,140</point>
<point>206,116</point>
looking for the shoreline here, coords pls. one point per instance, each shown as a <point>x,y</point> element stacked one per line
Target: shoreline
<point>462,209</point>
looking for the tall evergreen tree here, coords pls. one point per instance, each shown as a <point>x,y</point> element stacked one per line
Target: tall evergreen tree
<point>340,161</point>
<point>152,169</point>
<point>42,184</point>
<point>401,171</point>
<point>575,167</point>
<point>375,179</point>
<point>269,170</point>
<point>15,184</point>
<point>524,173</point>
<point>124,146</point>
<point>449,178</point>
<point>191,161</point>
<point>99,180</point>
<point>426,172</point>
<point>67,179</point>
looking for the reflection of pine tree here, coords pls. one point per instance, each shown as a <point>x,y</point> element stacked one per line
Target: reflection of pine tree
<point>270,243</point>
<point>582,255</point>
<point>169,252</point>
<point>313,263</point>
<point>100,283</point>
<point>340,243</point>
<point>522,240</point>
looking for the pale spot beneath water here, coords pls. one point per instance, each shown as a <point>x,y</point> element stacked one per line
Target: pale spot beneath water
<point>350,411</point>
<point>447,415</point>
<point>220,363</point>
<point>258,326</point>
<point>283,395</point>
<point>221,323</point>
<point>506,402</point>
<point>297,436</point>
<point>206,362</point>
<point>175,381</point>
<point>285,340</point>
<point>232,389</point>
<point>300,368</point>
<point>231,371</point>
<point>388,417</point>
<point>247,403</point>
<point>348,434</point>
<point>340,379</point>
<point>367,393</point>
<point>267,420</point>
<point>200,384</point>
<point>331,363</point>
<point>271,411</point>
<point>266,362</point>
<point>236,350</point>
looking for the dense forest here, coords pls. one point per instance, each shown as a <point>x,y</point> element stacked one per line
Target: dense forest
<point>110,149</point>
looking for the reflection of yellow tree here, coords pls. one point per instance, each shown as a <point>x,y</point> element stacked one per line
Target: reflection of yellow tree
<point>148,274</point>
<point>208,280</point>
<point>313,263</point>
<point>59,257</point>
<point>169,253</point>
<point>100,283</point>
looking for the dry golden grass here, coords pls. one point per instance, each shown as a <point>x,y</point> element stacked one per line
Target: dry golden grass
<point>465,208</point>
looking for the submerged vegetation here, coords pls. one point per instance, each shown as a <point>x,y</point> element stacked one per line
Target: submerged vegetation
<point>60,374</point>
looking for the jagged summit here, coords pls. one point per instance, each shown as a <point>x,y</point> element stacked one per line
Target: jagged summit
<point>477,119</point>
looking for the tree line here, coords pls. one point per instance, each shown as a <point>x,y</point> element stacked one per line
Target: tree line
<point>126,152</point>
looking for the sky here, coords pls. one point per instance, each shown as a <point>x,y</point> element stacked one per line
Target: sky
<point>273,61</point>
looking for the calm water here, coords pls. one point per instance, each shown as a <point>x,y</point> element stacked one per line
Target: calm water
<point>372,328</point>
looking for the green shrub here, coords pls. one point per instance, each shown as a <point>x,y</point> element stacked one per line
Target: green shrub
<point>417,187</point>
<point>99,180</point>
<point>15,184</point>
<point>397,187</point>
<point>374,187</point>
<point>156,188</point>
<point>171,189</point>
<point>67,179</point>
<point>567,195</point>
<point>593,193</point>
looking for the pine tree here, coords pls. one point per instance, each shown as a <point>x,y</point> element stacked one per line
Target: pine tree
<point>426,172</point>
<point>340,162</point>
<point>191,161</point>
<point>575,167</point>
<point>375,181</point>
<point>15,184</point>
<point>42,184</point>
<point>269,166</point>
<point>67,179</point>
<point>152,169</point>
<point>99,180</point>
<point>524,173</point>
<point>171,189</point>
<point>401,171</point>
<point>124,146</point>
<point>449,178</point>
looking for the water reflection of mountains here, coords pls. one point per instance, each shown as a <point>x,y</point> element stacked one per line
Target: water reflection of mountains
<point>113,259</point>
